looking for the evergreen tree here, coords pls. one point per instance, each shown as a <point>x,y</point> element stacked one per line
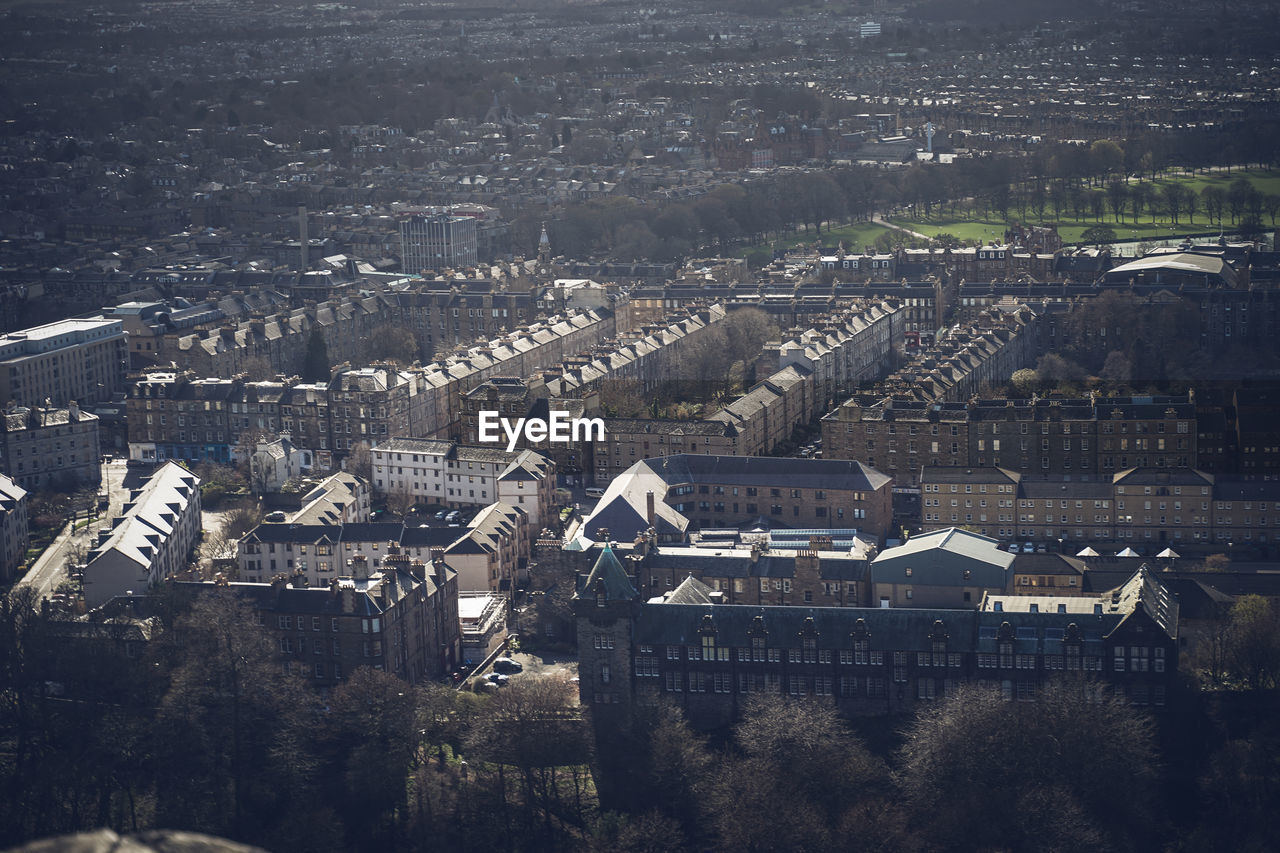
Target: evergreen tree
<point>316,366</point>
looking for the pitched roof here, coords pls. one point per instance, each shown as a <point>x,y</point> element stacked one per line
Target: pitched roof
<point>951,557</point>
<point>609,572</point>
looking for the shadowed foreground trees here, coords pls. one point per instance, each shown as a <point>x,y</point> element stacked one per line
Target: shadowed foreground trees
<point>1073,770</point>
<point>207,731</point>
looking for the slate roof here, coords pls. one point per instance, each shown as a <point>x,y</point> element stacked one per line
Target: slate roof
<point>775,472</point>
<point>151,515</point>
<point>607,570</point>
<point>941,557</point>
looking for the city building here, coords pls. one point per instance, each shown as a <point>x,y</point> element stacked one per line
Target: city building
<point>274,463</point>
<point>710,657</point>
<point>950,568</point>
<point>150,541</point>
<point>1089,436</point>
<point>82,360</point>
<point>1141,507</point>
<point>437,242</point>
<point>401,619</point>
<point>684,492</point>
<point>13,527</point>
<point>827,568</point>
<point>340,498</point>
<point>492,553</point>
<point>50,448</point>
<point>447,474</point>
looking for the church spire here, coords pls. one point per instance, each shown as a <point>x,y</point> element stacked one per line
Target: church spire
<point>544,246</point>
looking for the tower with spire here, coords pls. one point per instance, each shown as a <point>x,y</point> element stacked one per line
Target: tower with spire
<point>605,608</point>
<point>544,247</point>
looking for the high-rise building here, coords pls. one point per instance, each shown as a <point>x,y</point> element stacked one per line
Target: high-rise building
<point>82,360</point>
<point>437,241</point>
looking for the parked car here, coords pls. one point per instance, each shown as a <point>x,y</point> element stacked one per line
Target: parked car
<point>440,515</point>
<point>497,678</point>
<point>507,665</point>
<point>595,492</point>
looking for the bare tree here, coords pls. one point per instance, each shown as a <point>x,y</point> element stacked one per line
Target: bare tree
<point>623,398</point>
<point>533,727</point>
<point>1253,642</point>
<point>395,344</point>
<point>802,758</point>
<point>360,461</point>
<point>968,758</point>
<point>240,519</point>
<point>400,500</point>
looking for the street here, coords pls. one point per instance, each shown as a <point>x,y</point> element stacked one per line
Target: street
<point>50,569</point>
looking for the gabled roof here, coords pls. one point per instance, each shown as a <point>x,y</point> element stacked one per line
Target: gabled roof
<point>690,591</point>
<point>951,557</point>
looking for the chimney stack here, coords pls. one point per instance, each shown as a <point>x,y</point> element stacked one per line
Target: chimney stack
<point>359,567</point>
<point>650,512</point>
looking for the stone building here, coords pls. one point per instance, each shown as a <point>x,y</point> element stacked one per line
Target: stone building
<point>44,448</point>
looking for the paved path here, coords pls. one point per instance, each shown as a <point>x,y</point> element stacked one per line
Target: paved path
<point>878,220</point>
<point>51,567</point>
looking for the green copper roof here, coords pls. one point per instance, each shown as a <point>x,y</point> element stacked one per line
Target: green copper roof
<point>617,586</point>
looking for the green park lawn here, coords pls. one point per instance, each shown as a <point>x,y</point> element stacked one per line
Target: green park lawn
<point>855,236</point>
<point>971,227</point>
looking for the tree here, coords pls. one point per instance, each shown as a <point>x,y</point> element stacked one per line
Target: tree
<point>1251,228</point>
<point>623,398</point>
<point>1175,195</point>
<point>1238,197</point>
<point>1025,381</point>
<point>795,777</point>
<point>1098,234</point>
<point>395,344</point>
<point>1217,563</point>
<point>746,330</point>
<point>532,727</point>
<point>1271,201</point>
<point>1138,198</point>
<point>1117,195</point>
<point>316,367</point>
<point>660,764</point>
<point>1053,368</point>
<point>1117,367</point>
<point>707,365</point>
<point>1063,772</point>
<point>1212,200</point>
<point>1105,158</point>
<point>369,740</point>
<point>400,500</point>
<point>220,723</point>
<point>360,461</point>
<point>1253,642</point>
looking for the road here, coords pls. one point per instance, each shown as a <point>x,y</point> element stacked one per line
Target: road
<point>51,568</point>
